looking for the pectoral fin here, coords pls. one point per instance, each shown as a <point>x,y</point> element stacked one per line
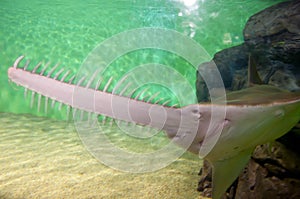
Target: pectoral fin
<point>226,171</point>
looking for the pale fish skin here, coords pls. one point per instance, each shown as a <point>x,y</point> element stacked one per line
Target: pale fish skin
<point>252,116</point>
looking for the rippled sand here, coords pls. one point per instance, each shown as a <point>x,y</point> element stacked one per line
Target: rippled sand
<point>44,158</point>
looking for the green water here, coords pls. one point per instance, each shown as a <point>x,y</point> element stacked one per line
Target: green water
<point>44,158</point>
<point>66,31</point>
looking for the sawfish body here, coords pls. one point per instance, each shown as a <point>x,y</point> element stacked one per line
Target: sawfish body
<point>256,115</point>
<point>253,116</point>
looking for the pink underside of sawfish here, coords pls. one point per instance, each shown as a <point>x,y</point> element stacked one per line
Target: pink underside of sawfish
<point>253,116</point>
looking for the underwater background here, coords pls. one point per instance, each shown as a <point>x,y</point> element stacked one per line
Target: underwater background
<point>66,31</point>
<point>42,157</point>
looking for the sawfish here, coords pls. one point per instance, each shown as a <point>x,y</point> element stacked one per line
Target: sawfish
<point>253,116</point>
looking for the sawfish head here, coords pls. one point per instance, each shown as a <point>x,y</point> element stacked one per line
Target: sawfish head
<point>255,115</point>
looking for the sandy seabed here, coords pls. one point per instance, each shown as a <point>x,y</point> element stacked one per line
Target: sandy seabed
<point>44,158</point>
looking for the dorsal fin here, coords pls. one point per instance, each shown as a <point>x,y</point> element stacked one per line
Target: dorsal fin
<point>253,77</point>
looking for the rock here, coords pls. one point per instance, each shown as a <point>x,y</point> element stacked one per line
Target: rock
<point>272,37</point>
<point>227,61</point>
<point>256,183</point>
<point>273,171</point>
<point>276,51</point>
<point>264,27</point>
<point>204,185</point>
